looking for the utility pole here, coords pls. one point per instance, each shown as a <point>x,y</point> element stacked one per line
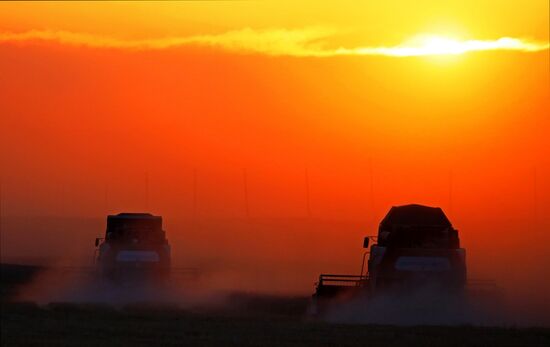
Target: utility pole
<point>62,198</point>
<point>194,195</point>
<point>1,205</point>
<point>535,201</point>
<point>451,191</point>
<point>308,199</point>
<point>106,198</point>
<point>245,186</point>
<point>146,192</point>
<point>371,190</point>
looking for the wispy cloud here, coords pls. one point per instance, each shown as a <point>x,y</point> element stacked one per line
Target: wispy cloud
<point>308,42</point>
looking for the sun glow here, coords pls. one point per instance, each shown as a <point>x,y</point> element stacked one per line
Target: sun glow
<point>440,45</point>
<point>436,45</point>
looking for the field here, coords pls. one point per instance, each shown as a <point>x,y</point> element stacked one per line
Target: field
<point>248,320</point>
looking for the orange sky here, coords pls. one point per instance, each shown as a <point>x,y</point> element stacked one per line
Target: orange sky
<point>96,98</point>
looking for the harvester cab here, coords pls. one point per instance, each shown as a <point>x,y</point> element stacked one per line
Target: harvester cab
<point>416,246</point>
<point>134,247</point>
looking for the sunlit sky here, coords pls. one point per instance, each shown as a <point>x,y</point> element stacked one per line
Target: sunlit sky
<point>282,28</point>
<point>382,102</point>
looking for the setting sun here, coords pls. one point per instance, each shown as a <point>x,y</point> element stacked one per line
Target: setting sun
<point>441,45</point>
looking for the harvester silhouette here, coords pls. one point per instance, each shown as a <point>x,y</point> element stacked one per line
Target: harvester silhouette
<point>416,247</point>
<point>135,249</point>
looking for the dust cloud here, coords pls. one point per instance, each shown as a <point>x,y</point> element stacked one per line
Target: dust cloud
<point>428,306</point>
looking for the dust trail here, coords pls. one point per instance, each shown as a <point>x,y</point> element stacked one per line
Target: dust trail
<point>427,306</point>
<point>59,285</point>
<point>216,291</point>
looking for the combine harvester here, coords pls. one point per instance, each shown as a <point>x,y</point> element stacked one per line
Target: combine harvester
<point>131,263</point>
<point>135,250</point>
<point>416,248</point>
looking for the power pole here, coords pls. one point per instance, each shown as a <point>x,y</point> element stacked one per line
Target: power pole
<point>451,191</point>
<point>146,192</point>
<point>371,190</point>
<point>535,201</point>
<point>194,195</point>
<point>106,198</point>
<point>308,199</point>
<point>245,186</point>
<point>62,198</point>
<point>1,205</point>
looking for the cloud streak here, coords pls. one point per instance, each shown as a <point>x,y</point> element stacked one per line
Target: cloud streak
<point>308,42</point>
